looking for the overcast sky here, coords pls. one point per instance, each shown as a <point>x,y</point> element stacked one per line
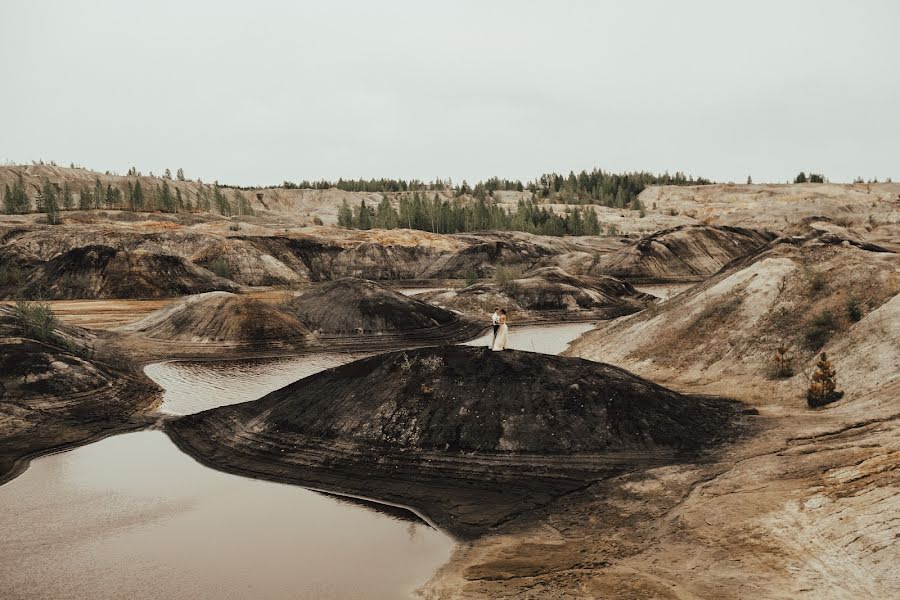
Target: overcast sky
<point>263,91</point>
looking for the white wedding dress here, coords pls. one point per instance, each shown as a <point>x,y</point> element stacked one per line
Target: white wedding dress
<point>502,338</point>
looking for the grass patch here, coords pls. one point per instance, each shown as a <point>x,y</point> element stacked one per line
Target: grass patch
<point>718,311</point>
<point>505,277</point>
<point>854,309</point>
<point>10,275</point>
<point>815,281</point>
<point>37,319</point>
<point>819,329</point>
<point>220,267</point>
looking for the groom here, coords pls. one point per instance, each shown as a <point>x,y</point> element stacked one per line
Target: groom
<point>495,320</point>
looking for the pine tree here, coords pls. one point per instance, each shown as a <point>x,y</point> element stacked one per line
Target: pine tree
<point>166,201</point>
<point>179,200</point>
<point>51,203</point>
<point>363,219</point>
<point>137,197</point>
<point>800,178</point>
<point>749,180</point>
<point>823,386</point>
<point>9,204</point>
<point>67,201</point>
<point>84,199</point>
<point>221,201</point>
<point>179,175</point>
<point>167,174</point>
<point>345,215</point>
<point>98,194</point>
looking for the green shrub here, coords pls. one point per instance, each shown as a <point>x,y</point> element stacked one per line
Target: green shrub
<point>470,275</point>
<point>505,277</point>
<point>819,330</point>
<point>235,227</point>
<point>220,267</point>
<point>10,274</point>
<point>854,310</point>
<point>37,319</point>
<point>815,280</point>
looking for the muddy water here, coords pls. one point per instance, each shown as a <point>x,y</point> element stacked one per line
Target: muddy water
<point>192,386</point>
<point>664,290</point>
<point>546,339</point>
<point>133,517</point>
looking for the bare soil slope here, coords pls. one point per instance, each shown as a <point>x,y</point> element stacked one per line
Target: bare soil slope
<point>686,253</point>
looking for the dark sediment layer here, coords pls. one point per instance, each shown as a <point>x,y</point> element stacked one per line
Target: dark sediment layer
<point>463,435</point>
<point>55,393</point>
<point>685,253</point>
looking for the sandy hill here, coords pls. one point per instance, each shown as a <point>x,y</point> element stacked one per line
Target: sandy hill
<point>222,317</point>
<point>685,253</point>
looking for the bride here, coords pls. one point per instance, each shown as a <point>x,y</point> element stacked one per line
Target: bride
<point>502,336</point>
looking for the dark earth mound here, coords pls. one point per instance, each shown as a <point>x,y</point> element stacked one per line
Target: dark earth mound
<point>350,305</point>
<point>685,253</point>
<point>222,317</point>
<point>465,436</point>
<point>55,393</point>
<point>100,271</point>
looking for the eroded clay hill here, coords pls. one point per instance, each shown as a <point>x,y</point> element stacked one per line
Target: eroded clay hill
<point>464,435</point>
<point>221,322</point>
<point>55,392</point>
<point>545,293</point>
<point>357,306</point>
<point>804,293</point>
<point>204,255</point>
<point>99,271</point>
<point>686,253</point>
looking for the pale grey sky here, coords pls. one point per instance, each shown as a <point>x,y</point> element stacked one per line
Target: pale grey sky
<point>263,91</point>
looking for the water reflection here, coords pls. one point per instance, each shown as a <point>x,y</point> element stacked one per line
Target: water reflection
<point>133,517</point>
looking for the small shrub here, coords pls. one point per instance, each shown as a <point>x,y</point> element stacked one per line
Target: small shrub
<point>505,278</point>
<point>819,330</point>
<point>220,267</point>
<point>10,275</point>
<point>822,385</point>
<point>854,310</point>
<point>815,281</point>
<point>317,220</point>
<point>470,275</point>
<point>235,227</point>
<point>718,311</point>
<point>37,319</point>
<point>782,360</point>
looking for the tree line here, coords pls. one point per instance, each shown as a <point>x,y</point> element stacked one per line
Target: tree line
<point>439,214</point>
<point>51,198</point>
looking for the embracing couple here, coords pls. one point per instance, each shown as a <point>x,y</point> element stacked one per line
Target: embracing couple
<point>501,331</point>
